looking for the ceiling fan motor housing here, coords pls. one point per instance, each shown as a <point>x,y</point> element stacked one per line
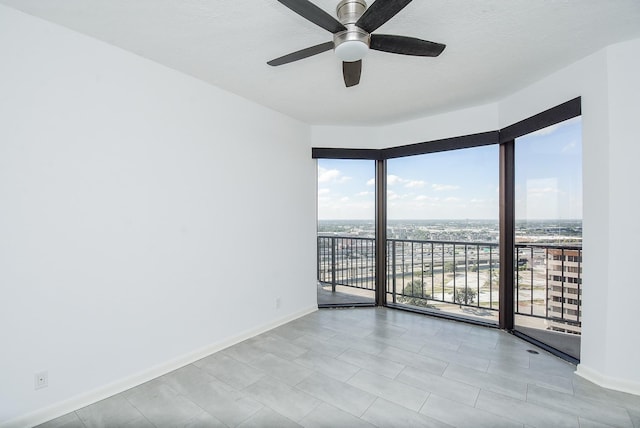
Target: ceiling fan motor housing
<point>352,44</point>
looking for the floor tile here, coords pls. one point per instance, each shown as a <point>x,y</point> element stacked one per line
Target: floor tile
<point>391,390</point>
<point>579,406</point>
<point>278,346</point>
<point>186,380</point>
<point>336,393</point>
<point>527,375</point>
<point>214,396</point>
<point>587,389</point>
<point>284,399</point>
<point>514,357</point>
<point>327,416</point>
<point>462,416</point>
<point>229,370</point>
<point>588,423</point>
<point>466,360</point>
<point>268,418</point>
<point>204,420</point>
<point>337,369</point>
<point>412,359</point>
<point>321,346</point>
<point>287,371</point>
<point>70,420</point>
<point>444,387</point>
<point>524,412</point>
<point>383,413</point>
<point>244,352</point>
<point>113,411</point>
<point>492,382</point>
<point>635,417</point>
<point>163,406</point>
<point>372,363</point>
<point>370,346</point>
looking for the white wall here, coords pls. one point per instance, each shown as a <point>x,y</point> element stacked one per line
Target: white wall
<point>146,219</point>
<point>462,122</point>
<point>623,346</point>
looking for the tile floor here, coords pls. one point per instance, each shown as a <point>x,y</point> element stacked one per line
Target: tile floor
<point>368,367</point>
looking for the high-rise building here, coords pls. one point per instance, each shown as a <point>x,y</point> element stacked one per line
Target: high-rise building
<point>564,294</point>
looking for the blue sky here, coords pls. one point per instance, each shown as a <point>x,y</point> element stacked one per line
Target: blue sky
<point>462,184</point>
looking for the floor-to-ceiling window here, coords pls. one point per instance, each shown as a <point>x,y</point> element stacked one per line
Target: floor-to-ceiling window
<point>548,235</point>
<point>443,232</point>
<point>346,232</point>
<point>485,227</point>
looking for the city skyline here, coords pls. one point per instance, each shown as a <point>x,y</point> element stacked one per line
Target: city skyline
<point>462,184</point>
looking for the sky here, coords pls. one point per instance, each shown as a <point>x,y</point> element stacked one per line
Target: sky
<point>462,184</point>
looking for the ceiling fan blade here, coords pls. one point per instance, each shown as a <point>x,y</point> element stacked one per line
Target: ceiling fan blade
<point>313,13</point>
<point>380,12</point>
<point>301,54</point>
<point>351,72</point>
<point>405,45</point>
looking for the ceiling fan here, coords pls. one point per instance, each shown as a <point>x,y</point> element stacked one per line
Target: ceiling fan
<point>352,36</point>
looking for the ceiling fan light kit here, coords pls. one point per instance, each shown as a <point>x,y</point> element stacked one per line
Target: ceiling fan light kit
<point>353,43</point>
<point>352,36</point>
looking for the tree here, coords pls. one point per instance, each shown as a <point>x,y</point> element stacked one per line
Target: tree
<point>448,267</point>
<point>465,296</point>
<point>413,294</point>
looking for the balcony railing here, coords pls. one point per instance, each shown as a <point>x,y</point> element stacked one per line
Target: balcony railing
<point>346,261</point>
<point>429,274</point>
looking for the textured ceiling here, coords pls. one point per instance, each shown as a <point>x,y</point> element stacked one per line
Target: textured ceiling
<point>494,47</point>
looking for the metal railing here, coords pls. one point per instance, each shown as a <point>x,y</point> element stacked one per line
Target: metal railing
<point>348,261</point>
<point>547,278</point>
<point>423,272</point>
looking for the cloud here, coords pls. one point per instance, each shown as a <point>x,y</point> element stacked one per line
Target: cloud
<point>570,147</point>
<point>331,176</point>
<point>444,187</point>
<point>323,191</point>
<point>365,194</point>
<point>344,199</point>
<point>371,182</point>
<point>452,199</point>
<point>425,198</point>
<point>394,179</point>
<point>414,184</point>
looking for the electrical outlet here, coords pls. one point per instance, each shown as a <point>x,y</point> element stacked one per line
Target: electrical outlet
<point>41,380</point>
<point>278,302</point>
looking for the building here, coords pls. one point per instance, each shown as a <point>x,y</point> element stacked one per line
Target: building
<point>564,299</point>
<point>125,185</point>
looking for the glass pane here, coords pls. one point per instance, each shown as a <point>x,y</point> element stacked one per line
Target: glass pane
<point>346,232</point>
<point>443,232</point>
<point>548,280</point>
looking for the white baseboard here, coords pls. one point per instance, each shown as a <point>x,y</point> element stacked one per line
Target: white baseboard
<point>90,397</point>
<point>623,385</point>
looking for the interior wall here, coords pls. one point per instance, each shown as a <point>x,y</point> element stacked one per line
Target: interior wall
<point>147,219</point>
<point>467,121</point>
<point>624,151</point>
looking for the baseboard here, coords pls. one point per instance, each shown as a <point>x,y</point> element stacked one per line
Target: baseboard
<point>622,385</point>
<point>82,400</point>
